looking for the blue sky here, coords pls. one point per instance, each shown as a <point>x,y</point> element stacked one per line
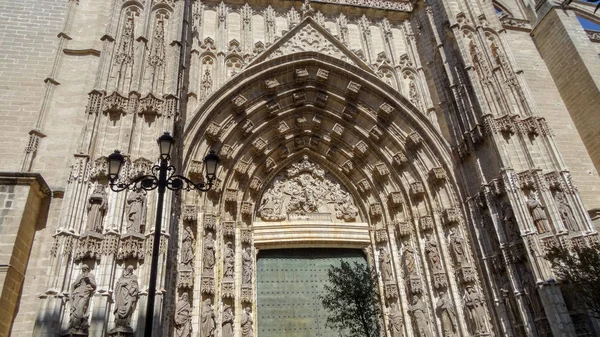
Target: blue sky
<point>587,24</point>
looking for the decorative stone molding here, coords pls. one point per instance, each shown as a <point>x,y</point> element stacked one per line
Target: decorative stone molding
<point>439,280</point>
<point>417,189</point>
<point>403,228</point>
<point>299,99</point>
<point>400,158</point>
<point>321,99</point>
<point>207,284</point>
<point>212,131</point>
<point>94,105</point>
<point>185,279</point>
<point>517,24</point>
<point>349,112</point>
<point>246,236</point>
<point>131,246</point>
<point>415,284</point>
<point>239,103</point>
<point>273,108</point>
<point>301,75</point>
<point>225,151</point>
<point>426,222</point>
<point>322,75</point>
<point>375,209</point>
<point>396,198</point>
<point>414,140</point>
<point>98,169</point>
<point>150,106</point>
<point>190,213</point>
<point>438,175</point>
<point>196,171</point>
<point>241,167</point>
<point>270,164</point>
<point>526,180</point>
<point>467,274</point>
<point>381,235</point>
<point>337,130</point>
<point>228,289</point>
<point>110,244</point>
<point>247,127</point>
<point>361,148</point>
<point>231,195</point>
<point>378,4</point>
<point>259,144</point>
<point>364,186</point>
<point>352,89</point>
<point>246,293</point>
<point>256,184</point>
<point>451,216</point>
<point>115,105</point>
<point>228,228</point>
<point>381,170</point>
<point>272,86</point>
<point>375,133</point>
<point>347,166</point>
<point>247,208</point>
<point>164,242</point>
<point>210,221</point>
<point>391,290</point>
<point>89,245</point>
<point>385,111</point>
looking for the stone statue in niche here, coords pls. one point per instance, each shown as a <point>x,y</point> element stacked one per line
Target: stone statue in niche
<point>409,260</point>
<point>475,304</point>
<point>228,261</point>
<point>447,315</point>
<point>183,317</point>
<point>566,213</point>
<point>457,244</point>
<point>420,318</point>
<point>207,324</point>
<point>227,322</point>
<point>395,321</point>
<point>81,292</point>
<point>247,323</point>
<point>509,221</point>
<point>531,294</point>
<point>136,208</point>
<point>208,254</point>
<point>247,266</point>
<point>433,253</point>
<point>538,214</point>
<point>97,206</point>
<point>126,297</point>
<point>305,190</point>
<point>187,247</point>
<point>385,265</point>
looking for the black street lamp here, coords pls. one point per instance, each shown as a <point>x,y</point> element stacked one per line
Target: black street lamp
<point>163,176</point>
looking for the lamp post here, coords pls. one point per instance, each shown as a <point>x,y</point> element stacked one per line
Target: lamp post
<point>163,176</point>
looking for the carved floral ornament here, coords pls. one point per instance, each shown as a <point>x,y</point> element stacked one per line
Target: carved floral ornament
<point>303,190</point>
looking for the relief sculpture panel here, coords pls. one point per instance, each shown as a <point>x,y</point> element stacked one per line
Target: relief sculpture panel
<point>305,188</point>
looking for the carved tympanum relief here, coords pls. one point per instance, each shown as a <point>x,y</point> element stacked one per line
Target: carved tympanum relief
<point>305,189</point>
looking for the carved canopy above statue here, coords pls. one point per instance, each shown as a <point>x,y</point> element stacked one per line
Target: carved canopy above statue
<point>304,191</point>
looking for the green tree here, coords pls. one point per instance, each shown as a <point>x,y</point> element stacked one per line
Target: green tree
<point>352,299</point>
<point>578,272</point>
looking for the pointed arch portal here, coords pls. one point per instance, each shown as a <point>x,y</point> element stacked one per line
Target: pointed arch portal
<point>318,152</point>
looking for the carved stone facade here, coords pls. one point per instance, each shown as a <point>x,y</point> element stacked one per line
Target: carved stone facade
<point>413,131</point>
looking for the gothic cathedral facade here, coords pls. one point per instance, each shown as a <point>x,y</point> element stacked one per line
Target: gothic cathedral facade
<point>450,142</point>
